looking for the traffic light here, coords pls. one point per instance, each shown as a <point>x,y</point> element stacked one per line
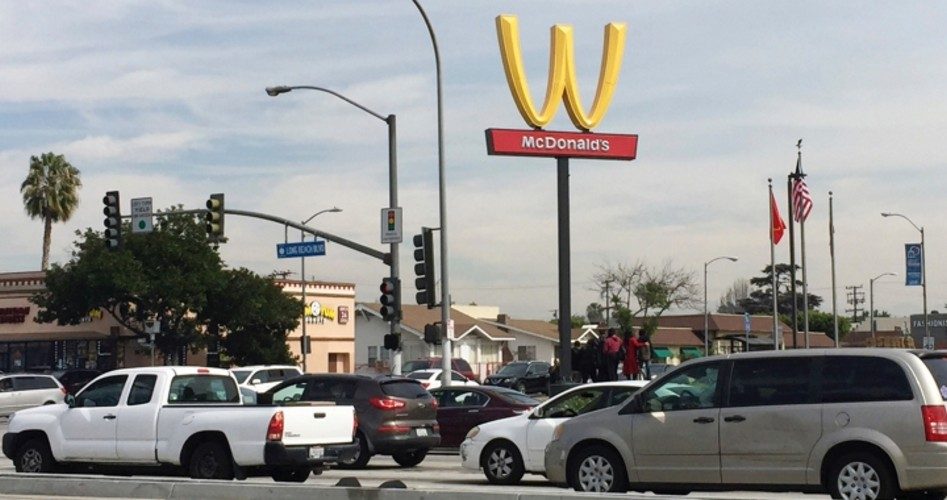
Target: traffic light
<point>215,218</point>
<point>432,333</point>
<point>424,267</point>
<point>390,299</point>
<point>392,341</point>
<point>113,220</point>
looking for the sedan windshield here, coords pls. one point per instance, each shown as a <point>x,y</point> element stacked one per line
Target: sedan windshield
<point>241,375</point>
<point>513,370</point>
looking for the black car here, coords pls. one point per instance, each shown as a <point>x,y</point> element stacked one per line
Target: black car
<point>396,416</point>
<point>76,379</point>
<point>524,376</point>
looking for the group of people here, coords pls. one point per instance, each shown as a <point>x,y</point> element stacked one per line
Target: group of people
<point>598,359</point>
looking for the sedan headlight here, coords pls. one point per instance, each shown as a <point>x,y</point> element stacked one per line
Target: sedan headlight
<point>472,433</point>
<point>557,433</point>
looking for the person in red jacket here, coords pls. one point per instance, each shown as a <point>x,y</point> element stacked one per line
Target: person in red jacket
<point>630,368</point>
<point>610,350</point>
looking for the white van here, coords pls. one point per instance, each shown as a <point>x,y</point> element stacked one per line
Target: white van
<point>21,391</point>
<point>857,423</point>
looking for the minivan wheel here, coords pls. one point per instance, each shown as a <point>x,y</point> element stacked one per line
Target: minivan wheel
<point>598,469</point>
<point>410,458</point>
<point>861,476</point>
<point>502,463</point>
<point>362,456</point>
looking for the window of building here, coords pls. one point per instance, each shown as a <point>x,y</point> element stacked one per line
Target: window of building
<point>526,352</point>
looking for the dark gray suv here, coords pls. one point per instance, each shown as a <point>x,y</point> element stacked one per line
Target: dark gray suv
<point>396,416</point>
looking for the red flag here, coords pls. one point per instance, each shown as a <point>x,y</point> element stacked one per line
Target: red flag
<point>779,225</point>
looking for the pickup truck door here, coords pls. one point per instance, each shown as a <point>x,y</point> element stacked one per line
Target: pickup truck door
<point>88,429</point>
<point>137,422</point>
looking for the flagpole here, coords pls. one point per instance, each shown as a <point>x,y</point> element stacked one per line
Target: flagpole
<point>832,255</point>
<point>772,266</point>
<point>805,282</point>
<point>792,263</point>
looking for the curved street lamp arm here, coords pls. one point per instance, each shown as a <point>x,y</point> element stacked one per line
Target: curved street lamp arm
<point>313,216</point>
<point>905,217</point>
<point>282,89</point>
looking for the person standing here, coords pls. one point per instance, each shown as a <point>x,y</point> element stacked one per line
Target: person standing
<point>610,349</point>
<point>630,362</point>
<point>595,358</point>
<point>644,354</point>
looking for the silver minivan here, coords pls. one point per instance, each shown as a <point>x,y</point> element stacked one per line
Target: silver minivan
<point>856,423</point>
<point>18,392</point>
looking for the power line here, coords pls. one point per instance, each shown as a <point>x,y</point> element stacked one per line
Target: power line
<point>855,297</point>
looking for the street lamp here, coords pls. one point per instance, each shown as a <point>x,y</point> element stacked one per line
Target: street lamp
<point>706,317</point>
<point>442,197</point>
<point>928,341</point>
<point>392,184</point>
<point>871,302</point>
<point>302,235</point>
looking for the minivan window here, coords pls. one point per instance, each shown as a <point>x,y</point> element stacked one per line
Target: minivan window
<point>771,381</point>
<point>407,389</point>
<point>850,379</point>
<point>938,367</point>
<point>690,388</point>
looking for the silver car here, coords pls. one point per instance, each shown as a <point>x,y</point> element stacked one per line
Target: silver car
<point>857,423</point>
<point>18,392</point>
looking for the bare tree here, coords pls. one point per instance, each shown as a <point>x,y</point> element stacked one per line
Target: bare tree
<point>641,291</point>
<point>731,302</point>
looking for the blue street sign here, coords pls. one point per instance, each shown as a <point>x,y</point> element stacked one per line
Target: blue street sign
<point>914,264</point>
<point>302,249</point>
<point>746,322</point>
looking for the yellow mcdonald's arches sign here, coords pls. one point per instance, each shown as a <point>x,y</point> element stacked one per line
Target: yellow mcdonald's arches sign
<point>562,83</point>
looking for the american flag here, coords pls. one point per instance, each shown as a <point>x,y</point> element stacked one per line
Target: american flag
<point>801,199</point>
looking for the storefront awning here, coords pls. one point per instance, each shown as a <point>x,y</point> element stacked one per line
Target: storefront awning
<point>663,352</point>
<point>691,352</point>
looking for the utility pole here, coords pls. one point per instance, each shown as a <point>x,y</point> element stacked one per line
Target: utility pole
<point>855,297</point>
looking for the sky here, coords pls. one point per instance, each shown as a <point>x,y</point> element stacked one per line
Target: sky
<point>166,99</point>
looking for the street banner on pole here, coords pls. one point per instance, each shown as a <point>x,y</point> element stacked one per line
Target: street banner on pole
<point>914,264</point>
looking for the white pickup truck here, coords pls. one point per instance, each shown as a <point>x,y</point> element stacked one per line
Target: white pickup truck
<point>183,416</point>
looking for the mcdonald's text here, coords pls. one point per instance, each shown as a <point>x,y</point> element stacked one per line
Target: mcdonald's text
<point>508,142</point>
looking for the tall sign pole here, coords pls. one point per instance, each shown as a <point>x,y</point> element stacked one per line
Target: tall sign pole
<point>561,145</point>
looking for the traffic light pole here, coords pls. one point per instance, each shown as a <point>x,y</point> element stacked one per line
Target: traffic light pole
<point>393,251</point>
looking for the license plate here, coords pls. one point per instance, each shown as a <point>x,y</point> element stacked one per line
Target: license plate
<point>315,452</point>
<point>422,431</point>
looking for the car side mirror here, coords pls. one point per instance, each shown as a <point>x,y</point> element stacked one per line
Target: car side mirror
<point>71,400</point>
<point>264,399</point>
<point>537,413</point>
<point>255,381</point>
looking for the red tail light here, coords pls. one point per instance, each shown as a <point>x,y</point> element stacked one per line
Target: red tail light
<point>64,391</point>
<point>935,422</point>
<point>354,425</point>
<point>274,432</point>
<point>394,428</point>
<point>434,403</point>
<point>386,403</point>
<point>425,384</point>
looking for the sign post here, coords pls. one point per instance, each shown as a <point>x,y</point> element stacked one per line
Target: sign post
<point>142,220</point>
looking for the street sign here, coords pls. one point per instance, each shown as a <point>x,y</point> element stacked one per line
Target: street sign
<point>142,221</point>
<point>914,262</point>
<point>391,225</point>
<point>301,249</point>
<point>746,322</point>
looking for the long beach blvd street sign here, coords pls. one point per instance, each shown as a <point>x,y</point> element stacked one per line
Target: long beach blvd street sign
<point>301,249</point>
<point>509,142</point>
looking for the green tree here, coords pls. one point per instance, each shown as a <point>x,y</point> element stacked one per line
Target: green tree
<point>50,193</point>
<point>760,300</point>
<point>171,275</point>
<point>644,292</point>
<point>820,321</point>
<point>255,316</point>
<point>730,301</point>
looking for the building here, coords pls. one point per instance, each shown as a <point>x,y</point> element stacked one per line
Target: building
<point>98,342</point>
<point>329,324</point>
<point>938,327</point>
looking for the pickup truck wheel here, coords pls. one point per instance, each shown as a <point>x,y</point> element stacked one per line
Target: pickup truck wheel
<point>362,456</point>
<point>410,458</point>
<point>211,460</point>
<point>297,475</point>
<point>34,456</point>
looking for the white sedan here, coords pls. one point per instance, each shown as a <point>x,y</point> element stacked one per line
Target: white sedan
<point>431,379</point>
<point>506,449</point>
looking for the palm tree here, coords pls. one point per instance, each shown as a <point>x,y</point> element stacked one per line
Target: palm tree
<point>50,192</point>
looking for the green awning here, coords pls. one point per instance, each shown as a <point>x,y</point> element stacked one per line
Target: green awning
<point>663,352</point>
<point>691,352</point>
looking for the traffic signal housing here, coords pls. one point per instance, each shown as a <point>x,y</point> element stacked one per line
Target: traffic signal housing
<point>113,221</point>
<point>392,341</point>
<point>215,218</point>
<point>424,267</point>
<point>390,299</point>
<point>432,333</point>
